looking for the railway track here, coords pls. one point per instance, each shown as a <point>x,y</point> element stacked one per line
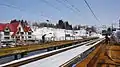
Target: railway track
<point>74,61</point>
<point>110,57</point>
<point>105,55</point>
<point>88,48</point>
<point>24,52</point>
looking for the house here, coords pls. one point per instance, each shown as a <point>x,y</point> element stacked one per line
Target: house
<point>15,31</point>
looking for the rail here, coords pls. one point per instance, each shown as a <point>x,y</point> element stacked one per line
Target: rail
<point>43,55</point>
<point>81,56</point>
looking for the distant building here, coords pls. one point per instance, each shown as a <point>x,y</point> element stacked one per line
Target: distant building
<point>15,31</point>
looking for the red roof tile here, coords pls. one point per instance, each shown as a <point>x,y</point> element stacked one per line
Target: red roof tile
<point>13,27</point>
<point>2,27</point>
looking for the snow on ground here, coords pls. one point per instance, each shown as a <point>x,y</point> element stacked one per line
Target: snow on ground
<point>59,59</point>
<point>59,34</point>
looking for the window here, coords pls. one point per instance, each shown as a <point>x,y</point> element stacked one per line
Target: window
<point>29,33</point>
<point>19,29</point>
<point>22,37</point>
<point>12,37</point>
<point>17,32</point>
<point>29,36</point>
<point>22,32</point>
<point>6,29</point>
<point>6,33</point>
<point>67,35</point>
<point>76,32</point>
<point>6,37</point>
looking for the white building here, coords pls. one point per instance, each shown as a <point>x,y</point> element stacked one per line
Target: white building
<point>15,31</point>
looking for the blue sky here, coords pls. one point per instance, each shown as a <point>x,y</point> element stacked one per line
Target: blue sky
<point>108,11</point>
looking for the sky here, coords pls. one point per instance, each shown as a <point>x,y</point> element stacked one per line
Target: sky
<point>107,11</point>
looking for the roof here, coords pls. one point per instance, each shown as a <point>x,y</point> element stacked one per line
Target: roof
<point>2,26</point>
<point>11,26</point>
<point>27,29</point>
<point>14,27</point>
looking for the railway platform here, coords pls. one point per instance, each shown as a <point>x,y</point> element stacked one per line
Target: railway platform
<point>105,55</point>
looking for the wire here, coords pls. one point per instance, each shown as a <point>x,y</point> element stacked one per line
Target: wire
<point>91,11</point>
<point>49,4</point>
<point>53,6</point>
<point>73,6</point>
<point>45,1</point>
<point>11,6</point>
<point>15,7</point>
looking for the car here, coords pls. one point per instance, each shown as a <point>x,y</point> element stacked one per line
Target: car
<point>4,45</point>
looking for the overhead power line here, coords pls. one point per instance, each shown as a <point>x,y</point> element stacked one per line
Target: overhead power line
<point>11,6</point>
<point>91,11</point>
<point>71,8</point>
<point>22,10</point>
<point>45,1</point>
<point>51,5</point>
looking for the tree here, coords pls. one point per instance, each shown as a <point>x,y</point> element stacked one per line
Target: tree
<point>109,31</point>
<point>61,24</point>
<point>12,21</point>
<point>35,24</point>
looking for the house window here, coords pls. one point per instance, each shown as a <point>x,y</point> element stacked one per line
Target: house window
<point>6,33</point>
<point>17,32</point>
<point>6,37</point>
<point>22,32</point>
<point>6,29</point>
<point>12,37</point>
<point>19,29</point>
<point>29,33</point>
<point>29,36</point>
<point>22,37</point>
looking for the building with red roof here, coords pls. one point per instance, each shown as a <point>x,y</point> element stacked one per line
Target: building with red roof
<point>15,30</point>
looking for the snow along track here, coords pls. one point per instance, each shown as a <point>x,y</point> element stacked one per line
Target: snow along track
<point>54,58</point>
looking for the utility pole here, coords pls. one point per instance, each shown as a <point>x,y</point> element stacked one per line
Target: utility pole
<point>119,23</point>
<point>112,27</point>
<point>65,31</point>
<point>15,40</point>
<point>73,34</point>
<point>0,39</point>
